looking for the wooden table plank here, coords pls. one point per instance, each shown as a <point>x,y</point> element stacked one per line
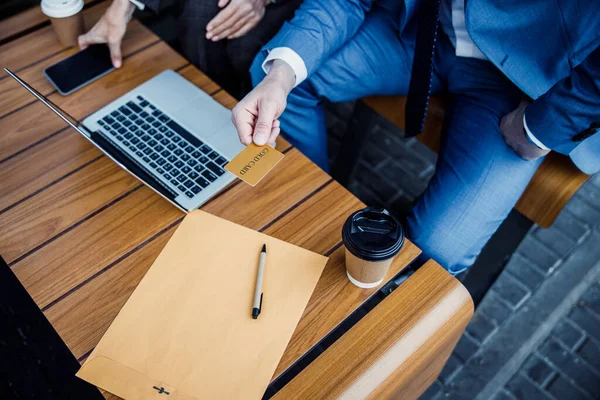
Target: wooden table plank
<point>137,37</point>
<point>233,205</point>
<point>33,170</point>
<point>41,43</point>
<point>77,255</point>
<point>42,217</point>
<point>61,265</point>
<point>24,21</point>
<point>397,349</point>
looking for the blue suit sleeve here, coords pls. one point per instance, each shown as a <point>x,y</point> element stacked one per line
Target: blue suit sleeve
<point>319,28</point>
<point>570,111</point>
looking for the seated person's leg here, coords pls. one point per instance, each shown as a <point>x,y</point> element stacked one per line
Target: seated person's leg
<point>479,178</point>
<point>374,61</point>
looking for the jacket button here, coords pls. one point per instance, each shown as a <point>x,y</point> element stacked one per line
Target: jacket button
<point>584,134</point>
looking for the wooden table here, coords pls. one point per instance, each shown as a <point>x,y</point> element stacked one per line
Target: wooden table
<point>80,233</point>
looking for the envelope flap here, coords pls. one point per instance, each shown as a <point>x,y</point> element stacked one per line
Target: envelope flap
<point>125,382</point>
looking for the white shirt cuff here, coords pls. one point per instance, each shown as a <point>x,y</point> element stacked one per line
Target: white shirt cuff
<point>291,58</point>
<point>532,138</point>
<point>138,4</point>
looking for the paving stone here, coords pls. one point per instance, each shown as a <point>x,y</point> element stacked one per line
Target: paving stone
<point>569,365</point>
<point>591,298</point>
<point>480,327</point>
<point>569,225</point>
<point>503,395</point>
<point>586,321</point>
<point>365,194</point>
<point>552,351</point>
<point>555,240</point>
<point>509,289</point>
<point>537,370</point>
<point>384,189</point>
<point>403,203</point>
<point>374,156</point>
<point>562,389</point>
<point>592,191</point>
<point>452,365</point>
<point>595,180</point>
<point>336,127</point>
<point>538,254</point>
<point>590,352</point>
<point>567,334</point>
<point>523,389</point>
<point>403,177</point>
<point>494,308</point>
<point>433,391</point>
<point>466,347</point>
<point>583,210</point>
<point>524,271</point>
<point>399,150</point>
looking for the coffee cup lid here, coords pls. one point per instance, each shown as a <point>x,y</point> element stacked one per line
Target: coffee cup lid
<point>373,234</point>
<point>61,8</point>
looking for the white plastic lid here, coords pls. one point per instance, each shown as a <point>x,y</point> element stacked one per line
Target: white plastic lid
<point>61,8</point>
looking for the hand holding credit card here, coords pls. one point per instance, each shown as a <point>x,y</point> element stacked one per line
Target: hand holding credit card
<point>254,163</point>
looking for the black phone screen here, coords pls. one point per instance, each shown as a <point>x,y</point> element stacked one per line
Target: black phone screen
<point>81,68</point>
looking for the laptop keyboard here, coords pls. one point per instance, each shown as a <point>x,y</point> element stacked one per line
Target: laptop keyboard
<point>168,150</point>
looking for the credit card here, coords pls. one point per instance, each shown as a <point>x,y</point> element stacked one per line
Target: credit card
<point>254,163</point>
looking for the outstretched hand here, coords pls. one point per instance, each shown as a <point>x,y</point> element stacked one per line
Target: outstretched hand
<point>256,115</point>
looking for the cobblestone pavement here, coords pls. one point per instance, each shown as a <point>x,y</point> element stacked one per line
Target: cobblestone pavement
<point>536,333</point>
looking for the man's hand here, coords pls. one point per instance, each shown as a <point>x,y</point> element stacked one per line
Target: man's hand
<point>236,19</point>
<point>514,134</point>
<point>255,116</point>
<point>110,29</point>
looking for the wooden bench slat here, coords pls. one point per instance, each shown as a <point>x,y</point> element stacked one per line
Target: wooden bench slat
<point>42,217</point>
<point>137,37</point>
<point>24,21</point>
<point>397,349</point>
<point>251,207</point>
<point>42,43</point>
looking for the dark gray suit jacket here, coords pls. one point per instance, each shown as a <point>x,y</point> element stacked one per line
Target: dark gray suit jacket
<point>227,62</point>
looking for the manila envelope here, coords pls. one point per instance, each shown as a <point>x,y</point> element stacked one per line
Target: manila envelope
<point>254,163</point>
<point>187,329</point>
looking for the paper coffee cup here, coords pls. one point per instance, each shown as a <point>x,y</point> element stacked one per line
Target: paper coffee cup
<point>66,19</point>
<point>372,237</point>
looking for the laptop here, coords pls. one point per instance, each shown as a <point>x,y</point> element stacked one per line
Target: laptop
<point>167,133</point>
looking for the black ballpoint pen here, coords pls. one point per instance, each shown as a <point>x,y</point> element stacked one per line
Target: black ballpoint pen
<point>258,295</point>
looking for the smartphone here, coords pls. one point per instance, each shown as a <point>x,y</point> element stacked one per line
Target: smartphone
<point>80,69</point>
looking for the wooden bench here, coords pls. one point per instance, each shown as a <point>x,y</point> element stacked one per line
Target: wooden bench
<point>552,186</point>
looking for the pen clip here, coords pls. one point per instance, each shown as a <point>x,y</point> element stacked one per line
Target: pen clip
<point>260,304</point>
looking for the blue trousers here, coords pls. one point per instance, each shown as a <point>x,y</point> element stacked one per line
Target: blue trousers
<point>478,177</point>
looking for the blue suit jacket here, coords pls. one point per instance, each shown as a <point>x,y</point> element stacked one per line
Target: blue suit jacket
<point>549,49</point>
